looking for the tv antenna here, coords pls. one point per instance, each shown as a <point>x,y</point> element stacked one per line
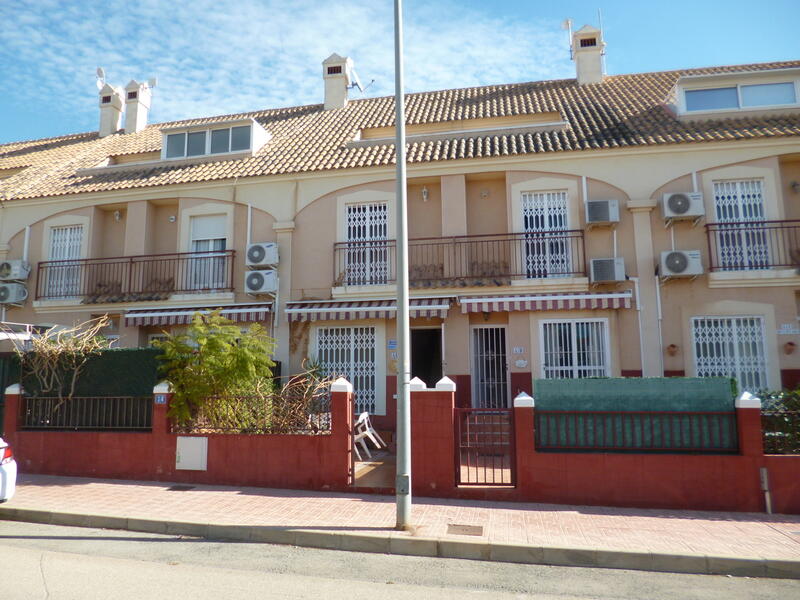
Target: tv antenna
<point>101,78</point>
<point>566,25</point>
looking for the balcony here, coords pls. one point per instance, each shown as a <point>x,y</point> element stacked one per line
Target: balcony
<point>464,261</point>
<point>135,278</point>
<point>753,245</point>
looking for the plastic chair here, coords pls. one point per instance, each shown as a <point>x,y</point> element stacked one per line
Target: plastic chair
<point>362,431</point>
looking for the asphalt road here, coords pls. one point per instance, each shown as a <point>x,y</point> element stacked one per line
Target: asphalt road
<point>47,561</point>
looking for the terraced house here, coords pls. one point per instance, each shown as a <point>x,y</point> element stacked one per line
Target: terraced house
<point>644,224</point>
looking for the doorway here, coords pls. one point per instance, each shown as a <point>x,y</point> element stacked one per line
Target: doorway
<point>426,355</point>
<point>490,385</point>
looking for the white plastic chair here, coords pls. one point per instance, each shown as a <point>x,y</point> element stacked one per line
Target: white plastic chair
<point>362,431</point>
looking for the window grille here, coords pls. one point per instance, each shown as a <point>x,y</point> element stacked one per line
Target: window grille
<point>574,349</point>
<point>368,252</point>
<point>351,352</point>
<point>731,347</point>
<point>64,279</point>
<point>545,219</point>
<point>743,241</point>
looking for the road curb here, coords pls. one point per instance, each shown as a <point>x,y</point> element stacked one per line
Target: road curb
<point>401,543</point>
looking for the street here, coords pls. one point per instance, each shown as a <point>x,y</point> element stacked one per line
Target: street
<point>47,561</point>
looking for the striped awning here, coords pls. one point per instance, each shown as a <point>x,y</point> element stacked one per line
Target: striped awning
<point>544,302</point>
<point>240,313</point>
<point>337,310</point>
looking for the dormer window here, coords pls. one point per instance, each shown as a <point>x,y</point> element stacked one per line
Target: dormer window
<point>742,96</point>
<point>214,139</point>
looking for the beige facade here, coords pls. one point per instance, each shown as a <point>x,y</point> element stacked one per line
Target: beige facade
<point>501,263</point>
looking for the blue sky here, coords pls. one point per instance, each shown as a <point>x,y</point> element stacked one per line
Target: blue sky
<point>224,56</point>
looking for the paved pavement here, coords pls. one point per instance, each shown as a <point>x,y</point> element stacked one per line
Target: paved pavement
<point>659,540</point>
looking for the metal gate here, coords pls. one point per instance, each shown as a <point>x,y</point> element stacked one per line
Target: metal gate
<point>485,447</point>
<point>489,367</point>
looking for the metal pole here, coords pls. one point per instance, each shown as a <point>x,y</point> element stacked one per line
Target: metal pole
<point>403,475</point>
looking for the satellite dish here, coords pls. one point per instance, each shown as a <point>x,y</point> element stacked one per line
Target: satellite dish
<point>101,78</point>
<point>356,81</point>
<point>152,82</point>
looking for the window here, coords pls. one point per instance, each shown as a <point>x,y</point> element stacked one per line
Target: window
<point>351,352</point>
<point>547,247</point>
<point>64,276</point>
<point>731,347</point>
<point>215,141</point>
<point>367,258</point>
<point>207,268</point>
<point>741,96</point>
<point>741,237</point>
<point>573,349</point>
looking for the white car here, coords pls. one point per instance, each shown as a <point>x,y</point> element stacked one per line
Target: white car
<point>8,472</point>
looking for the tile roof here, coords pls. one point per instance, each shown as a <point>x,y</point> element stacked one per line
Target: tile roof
<point>622,111</point>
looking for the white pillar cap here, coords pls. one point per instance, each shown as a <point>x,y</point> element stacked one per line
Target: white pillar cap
<point>14,389</point>
<point>523,400</point>
<point>445,384</point>
<point>342,385</point>
<point>747,400</point>
<point>162,388</point>
<point>416,385</point>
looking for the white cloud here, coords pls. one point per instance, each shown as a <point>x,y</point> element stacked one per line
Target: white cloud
<point>222,56</point>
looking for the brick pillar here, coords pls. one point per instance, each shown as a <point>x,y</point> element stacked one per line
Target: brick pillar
<point>12,409</point>
<point>340,460</point>
<point>433,440</point>
<point>748,424</point>
<point>525,445</point>
<point>162,396</point>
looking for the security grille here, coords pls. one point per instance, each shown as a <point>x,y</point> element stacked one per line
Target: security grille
<point>368,257</point>
<point>547,250</point>
<point>350,352</point>
<point>741,239</point>
<point>574,349</point>
<point>64,278</point>
<point>731,347</point>
<point>490,388</point>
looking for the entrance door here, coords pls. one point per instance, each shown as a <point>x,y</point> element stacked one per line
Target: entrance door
<point>426,355</point>
<point>489,367</point>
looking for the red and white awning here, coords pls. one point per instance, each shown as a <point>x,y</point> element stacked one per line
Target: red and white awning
<point>239,313</point>
<point>477,304</point>
<point>338,310</point>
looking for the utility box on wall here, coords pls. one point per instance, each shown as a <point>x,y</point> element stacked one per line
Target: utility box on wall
<point>191,454</point>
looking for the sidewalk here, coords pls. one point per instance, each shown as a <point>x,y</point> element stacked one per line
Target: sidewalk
<point>658,540</point>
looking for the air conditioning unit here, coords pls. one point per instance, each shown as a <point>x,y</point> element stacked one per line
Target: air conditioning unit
<point>11,270</point>
<point>602,212</point>
<point>13,293</point>
<point>261,282</point>
<point>683,205</point>
<point>263,254</point>
<point>607,270</point>
<point>681,263</point>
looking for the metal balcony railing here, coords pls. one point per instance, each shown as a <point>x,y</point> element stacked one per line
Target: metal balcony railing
<point>753,245</point>
<point>135,278</point>
<point>475,260</point>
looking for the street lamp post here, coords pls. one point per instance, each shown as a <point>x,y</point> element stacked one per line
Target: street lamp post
<point>403,475</point>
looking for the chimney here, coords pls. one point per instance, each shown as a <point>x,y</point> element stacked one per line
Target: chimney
<point>110,110</point>
<point>588,48</point>
<point>336,72</point>
<point>137,105</point>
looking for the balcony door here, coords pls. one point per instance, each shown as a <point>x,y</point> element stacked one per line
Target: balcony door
<point>546,251</point>
<point>367,259</point>
<point>741,238</point>
<point>64,278</point>
<point>207,266</point>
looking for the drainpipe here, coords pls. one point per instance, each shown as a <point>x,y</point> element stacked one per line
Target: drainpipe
<point>26,244</point>
<point>635,281</point>
<point>660,320</point>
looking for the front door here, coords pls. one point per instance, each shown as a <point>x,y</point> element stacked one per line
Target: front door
<point>426,355</point>
<point>489,367</point>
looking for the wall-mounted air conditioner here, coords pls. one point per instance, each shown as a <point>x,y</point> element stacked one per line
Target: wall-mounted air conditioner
<point>261,282</point>
<point>602,212</point>
<point>607,270</point>
<point>262,254</point>
<point>683,205</point>
<point>12,293</point>
<point>14,270</point>
<point>681,263</point>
